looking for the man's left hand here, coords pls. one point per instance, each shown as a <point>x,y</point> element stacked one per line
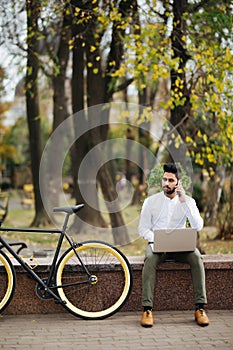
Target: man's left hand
<point>181,192</point>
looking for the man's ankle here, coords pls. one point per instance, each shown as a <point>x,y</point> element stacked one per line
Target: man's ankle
<point>199,306</point>
<point>146,308</point>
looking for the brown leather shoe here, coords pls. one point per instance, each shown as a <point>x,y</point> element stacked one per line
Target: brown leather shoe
<point>147,319</point>
<point>201,318</point>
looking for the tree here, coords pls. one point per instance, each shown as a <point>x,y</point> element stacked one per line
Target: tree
<point>211,101</point>
<point>180,94</point>
<point>33,116</point>
<point>164,44</point>
<point>7,150</point>
<point>100,85</point>
<point>90,214</point>
<point>60,106</point>
<point>194,52</point>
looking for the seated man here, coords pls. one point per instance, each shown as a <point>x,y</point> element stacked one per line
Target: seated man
<point>170,209</point>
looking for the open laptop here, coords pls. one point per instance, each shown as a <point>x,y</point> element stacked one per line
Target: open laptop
<point>175,240</point>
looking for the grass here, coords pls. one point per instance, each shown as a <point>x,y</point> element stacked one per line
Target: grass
<point>21,217</point>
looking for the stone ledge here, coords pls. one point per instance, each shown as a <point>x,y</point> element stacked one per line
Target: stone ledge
<point>220,261</point>
<point>173,289</point>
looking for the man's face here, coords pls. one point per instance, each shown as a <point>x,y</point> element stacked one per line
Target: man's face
<point>169,183</point>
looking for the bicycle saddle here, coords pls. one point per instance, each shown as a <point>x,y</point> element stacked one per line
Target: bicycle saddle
<point>69,210</point>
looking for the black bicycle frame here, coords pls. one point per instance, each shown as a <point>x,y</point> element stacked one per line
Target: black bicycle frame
<point>26,267</point>
<point>48,285</point>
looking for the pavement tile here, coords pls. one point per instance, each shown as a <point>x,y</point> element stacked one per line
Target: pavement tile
<point>172,331</point>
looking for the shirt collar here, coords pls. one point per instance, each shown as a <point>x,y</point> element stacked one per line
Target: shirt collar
<point>173,200</point>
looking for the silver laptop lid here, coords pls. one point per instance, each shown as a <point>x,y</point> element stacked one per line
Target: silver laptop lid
<point>175,240</point>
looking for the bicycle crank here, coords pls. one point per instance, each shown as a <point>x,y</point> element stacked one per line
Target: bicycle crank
<point>41,291</point>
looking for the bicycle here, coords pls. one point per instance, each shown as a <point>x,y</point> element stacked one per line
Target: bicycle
<point>76,278</point>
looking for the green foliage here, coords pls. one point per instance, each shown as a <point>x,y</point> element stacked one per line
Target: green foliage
<point>148,58</point>
<point>18,137</point>
<point>155,179</point>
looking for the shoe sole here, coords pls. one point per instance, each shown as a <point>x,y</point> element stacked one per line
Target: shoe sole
<point>202,324</point>
<point>147,325</point>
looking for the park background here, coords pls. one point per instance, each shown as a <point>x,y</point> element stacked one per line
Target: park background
<point>61,58</point>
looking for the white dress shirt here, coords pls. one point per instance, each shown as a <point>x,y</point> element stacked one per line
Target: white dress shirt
<point>159,211</point>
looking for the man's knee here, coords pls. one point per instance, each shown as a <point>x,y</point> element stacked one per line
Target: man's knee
<point>152,259</point>
<point>195,258</point>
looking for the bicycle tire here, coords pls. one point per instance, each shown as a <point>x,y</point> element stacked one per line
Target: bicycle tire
<point>7,281</point>
<point>97,300</point>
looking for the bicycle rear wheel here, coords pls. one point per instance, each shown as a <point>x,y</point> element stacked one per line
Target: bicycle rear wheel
<point>7,281</point>
<point>104,292</point>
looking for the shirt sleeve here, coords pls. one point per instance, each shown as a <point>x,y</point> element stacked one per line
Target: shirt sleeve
<point>145,223</point>
<point>193,214</point>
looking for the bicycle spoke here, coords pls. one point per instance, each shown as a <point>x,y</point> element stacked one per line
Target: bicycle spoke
<point>102,297</point>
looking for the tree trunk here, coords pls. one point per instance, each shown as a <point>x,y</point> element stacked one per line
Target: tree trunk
<point>60,112</point>
<point>88,215</point>
<point>179,89</point>
<point>146,98</point>
<point>214,191</point>
<point>225,216</point>
<point>32,106</point>
<point>78,150</point>
<point>119,230</point>
<point>99,90</point>
<point>97,93</point>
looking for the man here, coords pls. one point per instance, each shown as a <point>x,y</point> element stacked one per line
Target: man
<point>170,209</point>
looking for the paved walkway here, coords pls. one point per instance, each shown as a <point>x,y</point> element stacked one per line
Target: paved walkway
<point>172,330</point>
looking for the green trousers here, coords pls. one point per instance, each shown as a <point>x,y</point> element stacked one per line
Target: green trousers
<point>152,260</point>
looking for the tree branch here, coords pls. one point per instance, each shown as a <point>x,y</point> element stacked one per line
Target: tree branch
<point>124,85</point>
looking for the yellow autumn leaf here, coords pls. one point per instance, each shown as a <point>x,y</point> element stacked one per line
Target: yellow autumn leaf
<point>188,139</point>
<point>205,139</point>
<point>92,48</point>
<point>211,78</point>
<point>199,161</point>
<point>211,158</point>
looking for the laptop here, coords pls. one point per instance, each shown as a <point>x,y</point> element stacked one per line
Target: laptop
<point>175,240</point>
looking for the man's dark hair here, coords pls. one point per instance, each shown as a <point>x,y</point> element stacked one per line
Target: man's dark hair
<point>171,168</point>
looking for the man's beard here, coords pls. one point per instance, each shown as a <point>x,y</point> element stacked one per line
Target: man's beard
<point>168,191</point>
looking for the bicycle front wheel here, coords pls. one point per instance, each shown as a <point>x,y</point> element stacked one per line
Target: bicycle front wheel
<point>104,291</point>
<point>7,281</point>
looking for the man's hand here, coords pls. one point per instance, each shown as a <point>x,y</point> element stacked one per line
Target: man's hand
<point>181,192</point>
